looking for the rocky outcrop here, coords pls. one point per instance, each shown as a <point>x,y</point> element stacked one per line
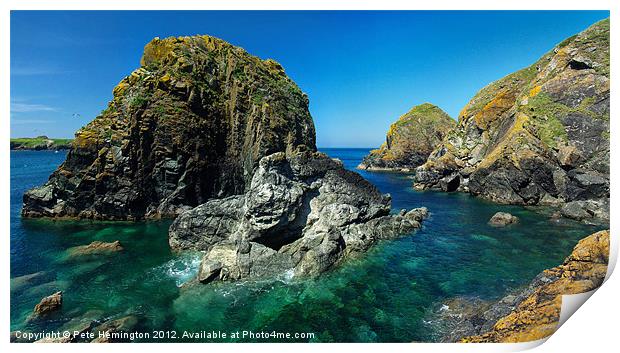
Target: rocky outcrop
<point>96,247</point>
<point>534,312</point>
<point>301,215</point>
<point>190,124</point>
<point>48,304</point>
<point>539,136</point>
<point>502,219</point>
<point>410,140</point>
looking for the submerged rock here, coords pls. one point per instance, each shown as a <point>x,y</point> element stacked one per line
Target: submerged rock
<point>189,125</point>
<point>302,213</point>
<point>96,247</point>
<point>48,304</point>
<point>534,312</point>
<point>410,139</point>
<point>21,282</point>
<point>108,331</point>
<point>539,136</point>
<point>502,219</point>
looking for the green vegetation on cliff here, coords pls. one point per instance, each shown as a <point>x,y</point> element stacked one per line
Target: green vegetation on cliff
<point>189,125</point>
<point>40,143</point>
<point>537,136</point>
<point>411,139</point>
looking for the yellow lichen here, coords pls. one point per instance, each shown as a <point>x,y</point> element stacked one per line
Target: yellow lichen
<point>157,50</point>
<point>120,88</point>
<point>494,109</point>
<point>534,91</point>
<point>518,128</point>
<point>85,139</point>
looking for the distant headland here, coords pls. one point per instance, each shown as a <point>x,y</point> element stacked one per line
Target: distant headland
<point>40,143</point>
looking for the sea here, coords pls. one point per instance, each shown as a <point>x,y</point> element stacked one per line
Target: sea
<point>389,294</point>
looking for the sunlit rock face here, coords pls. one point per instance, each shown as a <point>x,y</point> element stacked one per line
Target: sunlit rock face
<point>302,214</point>
<point>539,136</point>
<point>410,140</point>
<point>190,124</point>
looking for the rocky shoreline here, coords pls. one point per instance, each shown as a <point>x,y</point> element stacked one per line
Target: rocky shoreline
<point>534,312</point>
<point>539,136</point>
<point>223,143</point>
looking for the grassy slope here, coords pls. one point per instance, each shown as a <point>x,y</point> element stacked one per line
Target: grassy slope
<point>39,143</point>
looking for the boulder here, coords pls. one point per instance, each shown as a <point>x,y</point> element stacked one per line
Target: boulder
<point>588,210</point>
<point>302,214</point>
<point>48,304</point>
<point>502,219</point>
<point>209,270</point>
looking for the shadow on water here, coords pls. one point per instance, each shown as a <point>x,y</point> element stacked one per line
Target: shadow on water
<point>382,296</point>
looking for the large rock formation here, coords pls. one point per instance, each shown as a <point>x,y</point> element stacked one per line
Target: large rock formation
<point>302,214</point>
<point>534,312</point>
<point>190,124</point>
<point>411,139</point>
<point>537,136</point>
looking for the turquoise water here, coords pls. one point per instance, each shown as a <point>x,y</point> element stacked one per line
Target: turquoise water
<point>383,296</point>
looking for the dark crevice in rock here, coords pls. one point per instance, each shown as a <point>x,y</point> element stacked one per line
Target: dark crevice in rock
<point>453,184</point>
<point>578,65</point>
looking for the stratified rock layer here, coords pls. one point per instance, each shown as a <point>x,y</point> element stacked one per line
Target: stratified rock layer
<point>48,304</point>
<point>537,136</point>
<point>411,139</point>
<point>301,215</point>
<point>535,312</point>
<point>190,124</point>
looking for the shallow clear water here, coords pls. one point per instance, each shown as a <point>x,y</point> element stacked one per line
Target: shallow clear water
<point>384,295</point>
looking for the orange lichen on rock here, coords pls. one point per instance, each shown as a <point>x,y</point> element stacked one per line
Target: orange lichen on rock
<point>503,101</point>
<point>534,91</point>
<point>538,315</point>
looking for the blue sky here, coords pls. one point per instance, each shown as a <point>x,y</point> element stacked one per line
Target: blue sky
<point>361,70</point>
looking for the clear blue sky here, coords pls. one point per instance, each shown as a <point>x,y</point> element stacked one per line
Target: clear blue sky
<point>361,70</point>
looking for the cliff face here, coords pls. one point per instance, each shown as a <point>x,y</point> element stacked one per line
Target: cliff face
<point>410,139</point>
<point>190,124</point>
<point>536,312</point>
<point>537,136</point>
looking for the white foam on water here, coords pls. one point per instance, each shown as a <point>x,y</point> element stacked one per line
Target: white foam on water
<point>182,268</point>
<point>287,276</point>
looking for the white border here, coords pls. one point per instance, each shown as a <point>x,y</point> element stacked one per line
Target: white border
<point>593,328</point>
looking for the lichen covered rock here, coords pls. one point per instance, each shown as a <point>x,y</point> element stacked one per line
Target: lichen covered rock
<point>190,124</point>
<point>301,215</point>
<point>410,139</point>
<point>539,136</point>
<point>534,313</point>
<point>48,304</point>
